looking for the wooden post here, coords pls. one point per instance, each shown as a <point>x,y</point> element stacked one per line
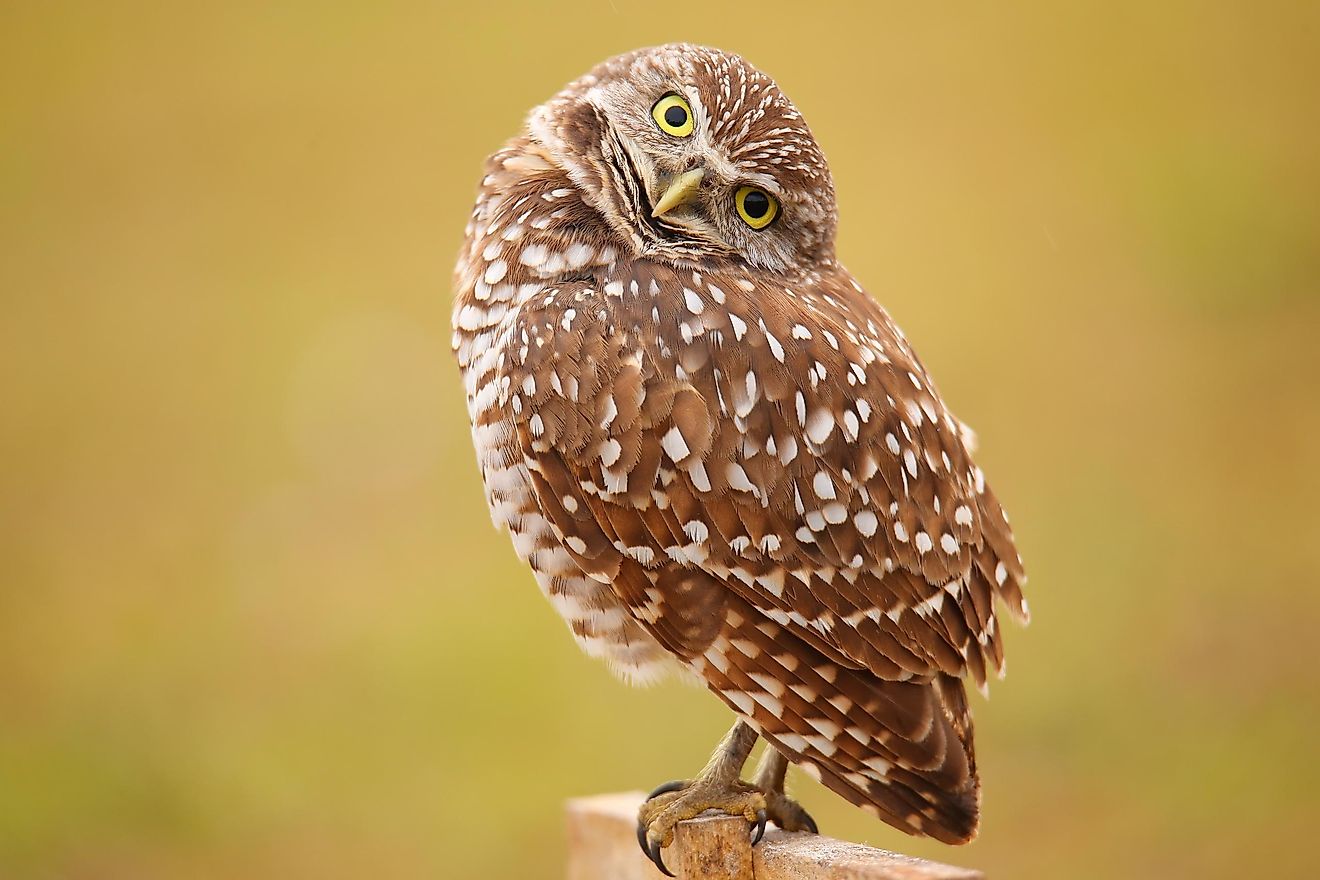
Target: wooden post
<point>602,845</point>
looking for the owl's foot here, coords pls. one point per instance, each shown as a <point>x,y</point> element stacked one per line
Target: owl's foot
<point>788,814</point>
<point>779,807</point>
<point>676,802</point>
<point>717,787</point>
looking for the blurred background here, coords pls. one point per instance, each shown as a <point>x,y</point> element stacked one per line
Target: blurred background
<point>254,620</point>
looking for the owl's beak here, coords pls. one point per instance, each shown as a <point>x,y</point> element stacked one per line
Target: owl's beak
<point>682,190</point>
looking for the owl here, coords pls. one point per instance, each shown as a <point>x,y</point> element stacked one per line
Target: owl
<point>718,455</point>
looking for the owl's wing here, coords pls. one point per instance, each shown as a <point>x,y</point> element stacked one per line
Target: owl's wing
<point>782,444</point>
<point>789,443</point>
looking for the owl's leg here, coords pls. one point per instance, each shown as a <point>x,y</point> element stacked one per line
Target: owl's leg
<point>779,807</point>
<point>716,787</point>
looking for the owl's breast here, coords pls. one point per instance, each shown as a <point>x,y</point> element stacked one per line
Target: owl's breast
<point>526,243</point>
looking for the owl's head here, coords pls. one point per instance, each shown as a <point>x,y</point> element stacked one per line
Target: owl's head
<point>692,155</point>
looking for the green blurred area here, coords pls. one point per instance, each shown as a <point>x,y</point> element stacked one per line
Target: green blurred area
<point>254,621</point>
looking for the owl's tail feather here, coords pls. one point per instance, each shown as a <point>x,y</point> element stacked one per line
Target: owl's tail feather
<point>901,750</point>
<point>926,785</point>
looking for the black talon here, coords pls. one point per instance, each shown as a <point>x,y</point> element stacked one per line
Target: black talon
<point>654,855</point>
<point>665,788</point>
<point>759,826</point>
<point>811,823</point>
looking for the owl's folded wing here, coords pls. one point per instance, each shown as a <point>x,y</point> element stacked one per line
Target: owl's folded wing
<point>812,468</point>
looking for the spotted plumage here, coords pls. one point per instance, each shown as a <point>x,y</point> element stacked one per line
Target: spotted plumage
<point>717,454</point>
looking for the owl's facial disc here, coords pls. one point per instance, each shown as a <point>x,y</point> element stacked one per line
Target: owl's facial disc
<point>672,189</point>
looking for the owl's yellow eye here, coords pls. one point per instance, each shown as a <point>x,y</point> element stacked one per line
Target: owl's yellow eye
<point>673,115</point>
<point>756,207</point>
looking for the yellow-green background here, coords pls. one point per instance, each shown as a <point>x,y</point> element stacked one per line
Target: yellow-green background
<point>254,621</point>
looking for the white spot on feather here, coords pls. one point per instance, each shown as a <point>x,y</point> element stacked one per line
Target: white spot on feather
<point>737,478</point>
<point>867,523</point>
<point>693,302</point>
<point>674,445</point>
<point>739,326</point>
<point>819,426</point>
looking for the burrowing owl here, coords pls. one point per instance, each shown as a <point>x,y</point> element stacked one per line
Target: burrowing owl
<point>718,454</point>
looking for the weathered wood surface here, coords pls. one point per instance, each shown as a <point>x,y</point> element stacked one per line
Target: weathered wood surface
<point>602,845</point>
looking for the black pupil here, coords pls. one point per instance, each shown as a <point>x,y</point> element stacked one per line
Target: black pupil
<point>676,116</point>
<point>756,204</point>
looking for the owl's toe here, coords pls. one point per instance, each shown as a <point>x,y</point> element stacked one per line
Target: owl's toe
<point>788,814</point>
